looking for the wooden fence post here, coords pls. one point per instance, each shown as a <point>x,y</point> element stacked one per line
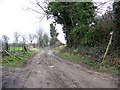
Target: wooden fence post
<point>107,49</point>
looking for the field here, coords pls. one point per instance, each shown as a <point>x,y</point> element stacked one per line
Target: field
<point>16,57</point>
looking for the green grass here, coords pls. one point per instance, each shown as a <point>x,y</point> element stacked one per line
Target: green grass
<point>13,49</point>
<point>17,59</point>
<point>76,58</point>
<point>88,61</point>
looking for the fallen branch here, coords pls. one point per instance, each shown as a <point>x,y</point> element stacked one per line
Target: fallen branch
<point>11,55</point>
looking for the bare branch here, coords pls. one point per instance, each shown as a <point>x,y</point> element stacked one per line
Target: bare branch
<point>38,3</point>
<point>102,4</point>
<point>42,18</point>
<point>34,10</point>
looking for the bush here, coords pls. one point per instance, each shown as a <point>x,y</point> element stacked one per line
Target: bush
<point>78,33</point>
<point>90,38</point>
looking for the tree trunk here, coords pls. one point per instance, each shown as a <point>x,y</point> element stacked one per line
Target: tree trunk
<point>24,48</point>
<point>5,47</point>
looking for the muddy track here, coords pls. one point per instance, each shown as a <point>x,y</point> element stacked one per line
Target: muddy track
<point>46,70</point>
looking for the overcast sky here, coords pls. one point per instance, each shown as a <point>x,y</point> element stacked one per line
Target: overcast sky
<point>14,18</point>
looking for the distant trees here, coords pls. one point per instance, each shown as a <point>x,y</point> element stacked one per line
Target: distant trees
<point>21,43</point>
<point>42,39</point>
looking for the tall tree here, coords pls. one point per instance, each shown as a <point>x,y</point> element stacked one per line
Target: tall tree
<point>53,34</point>
<point>45,40</point>
<point>71,15</point>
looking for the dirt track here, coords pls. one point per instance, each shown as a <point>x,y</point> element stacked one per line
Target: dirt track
<point>46,70</point>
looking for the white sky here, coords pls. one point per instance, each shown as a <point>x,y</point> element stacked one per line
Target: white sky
<point>14,18</point>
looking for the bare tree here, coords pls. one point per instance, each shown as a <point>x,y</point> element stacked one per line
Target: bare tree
<point>24,39</point>
<point>31,38</point>
<point>16,36</point>
<point>5,38</point>
<point>39,36</point>
<point>5,45</point>
<point>24,48</point>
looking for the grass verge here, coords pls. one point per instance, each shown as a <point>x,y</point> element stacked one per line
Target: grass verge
<point>85,59</point>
